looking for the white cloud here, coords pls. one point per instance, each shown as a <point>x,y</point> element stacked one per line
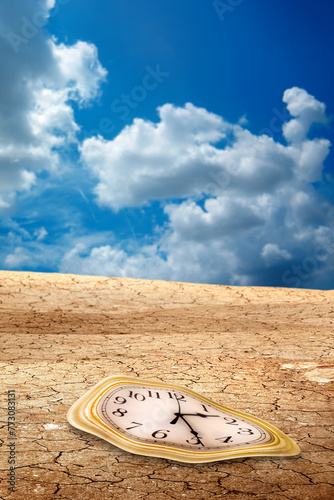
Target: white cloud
<point>249,210</point>
<point>165,260</point>
<point>243,120</point>
<point>40,78</point>
<point>272,253</point>
<point>80,70</point>
<point>17,259</point>
<point>177,158</point>
<point>40,233</point>
<point>307,111</point>
<point>156,161</point>
<point>221,216</point>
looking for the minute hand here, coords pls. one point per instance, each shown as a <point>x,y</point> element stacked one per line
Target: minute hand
<point>180,415</point>
<point>199,415</point>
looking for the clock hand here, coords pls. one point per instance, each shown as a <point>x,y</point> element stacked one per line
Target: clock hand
<point>178,415</point>
<point>176,418</point>
<point>199,415</point>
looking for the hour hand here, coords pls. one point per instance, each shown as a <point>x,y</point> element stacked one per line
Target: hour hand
<point>175,419</point>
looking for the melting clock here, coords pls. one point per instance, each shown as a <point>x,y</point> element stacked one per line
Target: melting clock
<point>164,420</point>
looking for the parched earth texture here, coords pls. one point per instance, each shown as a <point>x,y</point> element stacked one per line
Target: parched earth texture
<point>265,351</point>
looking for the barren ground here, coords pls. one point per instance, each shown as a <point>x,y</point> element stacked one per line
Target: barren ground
<point>266,351</point>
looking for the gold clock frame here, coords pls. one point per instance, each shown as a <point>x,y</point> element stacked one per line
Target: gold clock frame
<point>83,415</point>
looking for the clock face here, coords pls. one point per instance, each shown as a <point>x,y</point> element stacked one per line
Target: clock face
<point>158,415</point>
<point>159,419</point>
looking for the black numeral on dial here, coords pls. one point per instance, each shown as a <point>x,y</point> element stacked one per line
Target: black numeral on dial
<point>120,412</point>
<point>160,434</point>
<point>194,440</point>
<point>245,431</point>
<point>137,424</point>
<point>154,394</point>
<point>178,397</point>
<point>138,396</point>
<point>225,439</point>
<point>120,400</point>
<point>231,421</point>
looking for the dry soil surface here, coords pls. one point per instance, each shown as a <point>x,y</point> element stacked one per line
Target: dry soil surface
<point>266,351</point>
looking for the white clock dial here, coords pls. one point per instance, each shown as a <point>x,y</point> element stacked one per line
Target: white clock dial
<point>164,416</point>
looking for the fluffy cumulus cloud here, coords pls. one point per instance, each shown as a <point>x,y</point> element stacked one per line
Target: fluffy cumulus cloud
<point>191,151</point>
<point>40,80</point>
<point>306,110</point>
<point>249,213</point>
<point>155,161</point>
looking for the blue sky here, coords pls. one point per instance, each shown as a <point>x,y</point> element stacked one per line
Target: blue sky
<point>185,141</point>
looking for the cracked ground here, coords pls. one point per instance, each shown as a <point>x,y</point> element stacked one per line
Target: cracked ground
<point>265,351</point>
